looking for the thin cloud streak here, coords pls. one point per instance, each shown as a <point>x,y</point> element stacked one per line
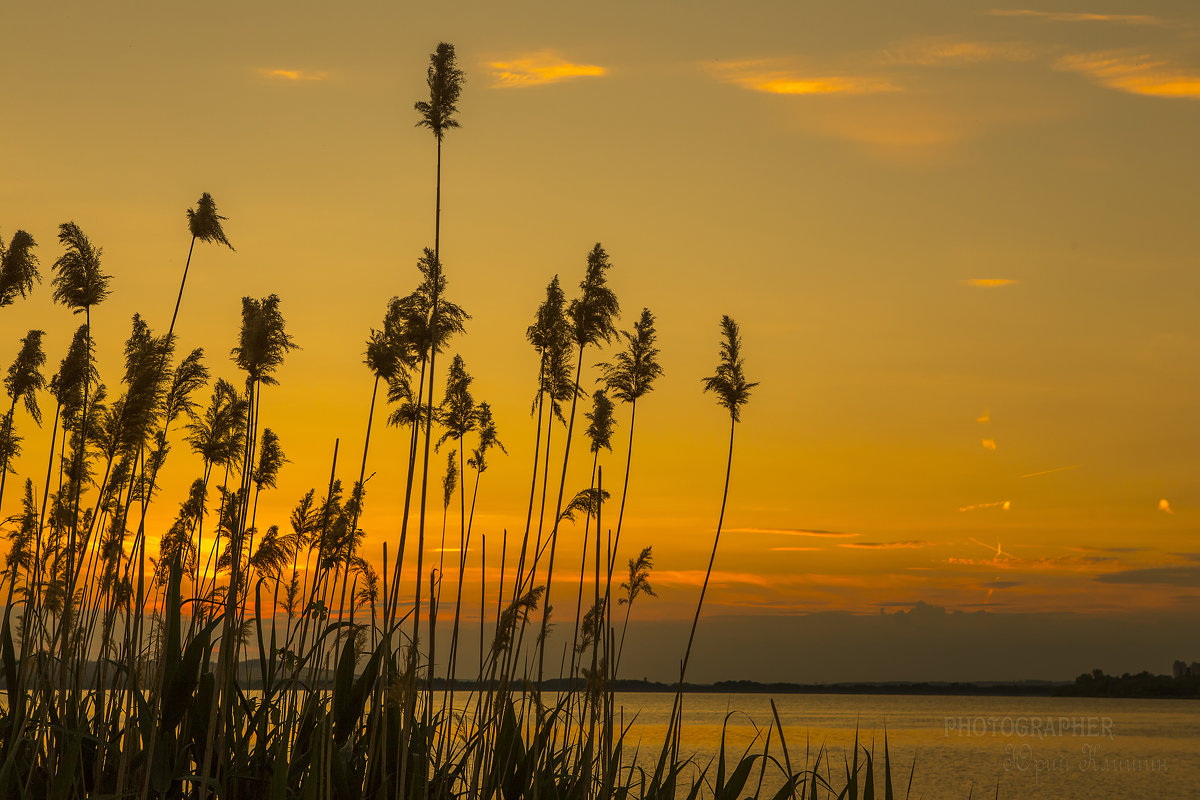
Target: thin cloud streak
<point>1069,16</point>
<point>950,53</point>
<point>1003,505</point>
<point>295,75</point>
<point>779,77</point>
<point>989,283</point>
<point>908,545</point>
<point>695,577</point>
<point>1050,471</point>
<point>795,532</point>
<point>1155,576</point>
<point>1139,74</point>
<point>540,69</point>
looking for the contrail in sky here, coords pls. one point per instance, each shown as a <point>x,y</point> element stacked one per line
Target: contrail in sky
<point>1049,471</point>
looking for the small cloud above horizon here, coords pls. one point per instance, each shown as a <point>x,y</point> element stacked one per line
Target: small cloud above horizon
<point>1003,505</point>
<point>1164,506</point>
<point>989,283</point>
<point>1135,73</point>
<point>933,53</point>
<point>989,444</point>
<point>1073,16</point>
<point>911,544</point>
<point>1154,576</point>
<point>780,76</point>
<point>295,75</point>
<point>796,532</point>
<point>539,69</point>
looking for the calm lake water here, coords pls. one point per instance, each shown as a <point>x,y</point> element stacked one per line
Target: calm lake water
<point>1026,748</point>
<point>1033,748</point>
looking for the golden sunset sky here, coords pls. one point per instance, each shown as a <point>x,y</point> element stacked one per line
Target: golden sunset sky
<point>960,238</point>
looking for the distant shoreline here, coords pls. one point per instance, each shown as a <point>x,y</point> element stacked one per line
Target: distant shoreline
<point>1141,686</point>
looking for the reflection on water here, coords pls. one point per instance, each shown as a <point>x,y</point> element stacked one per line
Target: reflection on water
<point>1031,748</point>
<point>1034,748</point>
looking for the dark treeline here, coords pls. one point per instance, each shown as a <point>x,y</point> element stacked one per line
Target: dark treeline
<point>1144,684</point>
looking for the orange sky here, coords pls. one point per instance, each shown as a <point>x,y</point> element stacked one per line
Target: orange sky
<point>961,243</point>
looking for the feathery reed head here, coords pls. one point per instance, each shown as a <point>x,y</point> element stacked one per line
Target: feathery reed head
<point>486,425</point>
<point>600,422</point>
<point>634,370</point>
<point>25,379</point>
<point>204,222</point>
<point>729,382</point>
<point>457,411</point>
<point>189,376</point>
<point>78,282</point>
<point>639,577</point>
<point>263,342</point>
<point>430,317</point>
<point>270,459</point>
<point>450,479</point>
<point>593,312</point>
<point>18,268</point>
<point>445,81</point>
<point>76,369</point>
<point>549,328</point>
<point>586,500</point>
<point>217,435</point>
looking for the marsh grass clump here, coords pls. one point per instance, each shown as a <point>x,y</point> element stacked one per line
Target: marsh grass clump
<point>250,658</point>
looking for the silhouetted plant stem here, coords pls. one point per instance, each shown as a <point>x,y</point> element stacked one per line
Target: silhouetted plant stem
<point>182,283</point>
<point>620,515</point>
<point>518,584</point>
<point>408,485</point>
<point>571,672</point>
<point>562,483</point>
<point>704,586</point>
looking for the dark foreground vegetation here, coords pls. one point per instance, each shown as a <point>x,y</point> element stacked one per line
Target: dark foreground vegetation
<point>221,657</point>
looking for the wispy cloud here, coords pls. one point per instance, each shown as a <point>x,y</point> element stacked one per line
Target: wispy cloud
<point>295,75</point>
<point>1050,471</point>
<point>1135,73</point>
<point>908,545</point>
<point>796,532</point>
<point>795,549</point>
<point>989,444</point>
<point>539,69</point>
<point>1003,505</point>
<point>695,577</point>
<point>1046,564</point>
<point>950,53</point>
<point>998,584</point>
<point>989,283</point>
<point>985,417</point>
<point>775,76</point>
<point>1071,16</point>
<point>1087,549</point>
<point>1156,576</point>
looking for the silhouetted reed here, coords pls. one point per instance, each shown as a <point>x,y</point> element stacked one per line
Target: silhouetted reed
<point>238,662</point>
